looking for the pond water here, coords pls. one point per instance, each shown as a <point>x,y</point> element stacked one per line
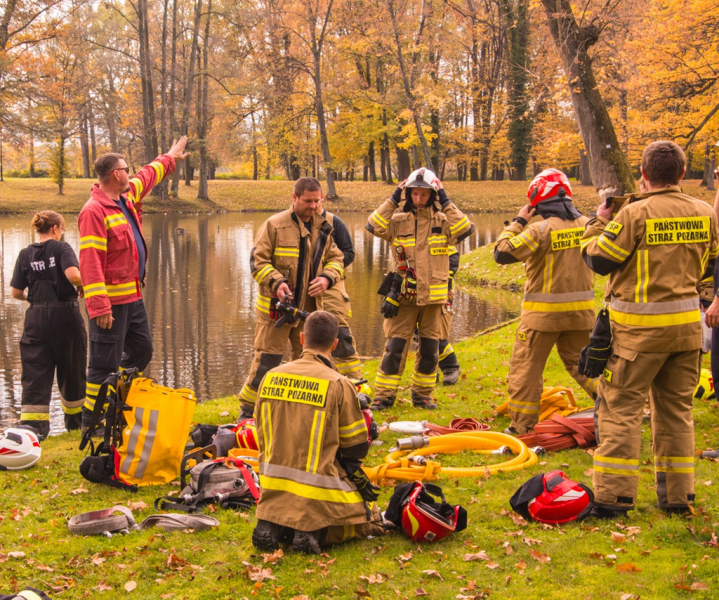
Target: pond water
<point>200,299</point>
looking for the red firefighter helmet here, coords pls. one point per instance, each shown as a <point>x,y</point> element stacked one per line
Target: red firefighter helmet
<point>550,184</point>
<point>552,498</point>
<point>246,434</point>
<point>425,520</point>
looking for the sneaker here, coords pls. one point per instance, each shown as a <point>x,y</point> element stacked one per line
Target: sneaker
<point>451,376</point>
<point>268,536</point>
<point>604,512</point>
<point>424,402</point>
<point>381,404</point>
<point>309,542</point>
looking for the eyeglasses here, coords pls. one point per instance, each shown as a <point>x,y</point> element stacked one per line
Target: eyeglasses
<point>126,169</point>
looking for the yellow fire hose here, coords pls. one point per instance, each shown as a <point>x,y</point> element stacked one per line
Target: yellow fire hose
<point>412,465</point>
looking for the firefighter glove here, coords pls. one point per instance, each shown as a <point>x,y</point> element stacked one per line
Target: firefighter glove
<point>365,487</point>
<point>595,355</point>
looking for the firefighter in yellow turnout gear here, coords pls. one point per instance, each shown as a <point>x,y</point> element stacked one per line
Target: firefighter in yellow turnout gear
<point>294,260</point>
<point>312,437</point>
<point>657,250</point>
<point>558,308</point>
<point>420,235</point>
<point>337,302</point>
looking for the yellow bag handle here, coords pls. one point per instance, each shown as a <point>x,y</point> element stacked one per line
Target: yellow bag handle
<point>557,399</point>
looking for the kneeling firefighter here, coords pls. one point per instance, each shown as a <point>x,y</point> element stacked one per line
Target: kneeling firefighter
<point>558,306</point>
<point>294,261</point>
<point>420,234</point>
<point>312,438</point>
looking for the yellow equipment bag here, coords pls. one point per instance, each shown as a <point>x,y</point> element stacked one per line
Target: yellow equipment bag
<point>556,399</point>
<point>154,438</point>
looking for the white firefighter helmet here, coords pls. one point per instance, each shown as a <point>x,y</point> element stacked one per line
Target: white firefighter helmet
<point>19,449</point>
<point>423,178</point>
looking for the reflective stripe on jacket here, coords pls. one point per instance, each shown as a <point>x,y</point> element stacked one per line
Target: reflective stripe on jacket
<point>275,257</point>
<point>559,292</point>
<point>108,255</point>
<point>659,249</point>
<point>305,412</point>
<point>426,234</point>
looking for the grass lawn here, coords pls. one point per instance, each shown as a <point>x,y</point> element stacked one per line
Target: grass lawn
<point>646,555</point>
<point>24,195</point>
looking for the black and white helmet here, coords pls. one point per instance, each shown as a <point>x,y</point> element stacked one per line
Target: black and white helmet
<point>19,449</point>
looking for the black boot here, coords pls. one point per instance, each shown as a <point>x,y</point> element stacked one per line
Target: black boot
<point>425,402</point>
<point>246,412</point>
<point>381,404</point>
<point>309,541</point>
<point>606,512</point>
<point>268,536</point>
<point>451,376</point>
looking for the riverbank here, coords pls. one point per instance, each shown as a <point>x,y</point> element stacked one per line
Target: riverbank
<point>25,195</point>
<point>646,555</point>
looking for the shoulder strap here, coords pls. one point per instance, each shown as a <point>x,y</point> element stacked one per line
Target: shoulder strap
<point>97,410</point>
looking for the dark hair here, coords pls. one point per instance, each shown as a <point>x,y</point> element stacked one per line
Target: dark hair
<point>663,163</point>
<point>306,184</point>
<point>45,220</point>
<point>320,330</point>
<point>106,164</point>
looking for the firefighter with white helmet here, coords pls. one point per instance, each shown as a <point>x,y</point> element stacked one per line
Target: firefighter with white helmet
<point>420,234</point>
<point>558,308</point>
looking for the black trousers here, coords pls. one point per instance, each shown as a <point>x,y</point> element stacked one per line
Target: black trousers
<point>53,340</point>
<point>127,344</point>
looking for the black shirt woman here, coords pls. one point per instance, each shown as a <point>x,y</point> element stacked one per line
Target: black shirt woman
<point>54,338</point>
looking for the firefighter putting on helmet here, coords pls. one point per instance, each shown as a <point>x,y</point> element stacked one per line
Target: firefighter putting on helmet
<point>294,261</point>
<point>415,294</point>
<point>312,438</point>
<point>558,308</point>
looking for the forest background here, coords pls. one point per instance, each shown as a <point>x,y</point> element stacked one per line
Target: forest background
<point>358,89</point>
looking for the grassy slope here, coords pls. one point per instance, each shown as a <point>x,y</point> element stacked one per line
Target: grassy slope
<point>41,501</point>
<point>23,195</point>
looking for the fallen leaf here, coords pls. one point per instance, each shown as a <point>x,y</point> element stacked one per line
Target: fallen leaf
<point>258,574</point>
<point>492,565</point>
<point>225,413</point>
<point>103,587</point>
<point>373,579</point>
<point>97,560</point>
<point>707,483</point>
<point>532,542</point>
<point>628,568</point>
<point>165,596</point>
<point>433,573</point>
<point>628,597</point>
<point>420,592</point>
<point>519,520</point>
<point>538,556</point>
<point>508,548</point>
<point>618,538</point>
<point>633,530</point>
<point>362,593</point>
<point>16,554</point>
<point>79,491</point>
<point>699,586</point>
<point>481,555</point>
<point>273,558</point>
<point>139,505</point>
<point>521,565</point>
<point>130,585</point>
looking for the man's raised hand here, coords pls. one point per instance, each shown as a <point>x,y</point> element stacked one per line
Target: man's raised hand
<point>177,151</point>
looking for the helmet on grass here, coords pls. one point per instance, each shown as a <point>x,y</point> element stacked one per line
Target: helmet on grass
<point>19,449</point>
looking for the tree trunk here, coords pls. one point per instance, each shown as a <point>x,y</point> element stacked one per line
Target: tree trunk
<point>163,81</point>
<point>93,140</point>
<point>31,154</point>
<point>371,163</point>
<point>202,190</point>
<point>387,155</point>
<point>148,95</point>
<point>2,178</point>
<point>585,173</point>
<point>173,71</point>
<point>403,168</point>
<point>84,146</point>
<point>189,85</point>
<point>519,131</point>
<point>707,174</point>
<point>611,172</point>
<point>712,166</point>
<point>416,164</point>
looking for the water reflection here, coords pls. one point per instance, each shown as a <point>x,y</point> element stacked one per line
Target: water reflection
<point>200,299</point>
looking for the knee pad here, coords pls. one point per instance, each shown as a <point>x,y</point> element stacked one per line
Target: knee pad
<point>267,362</point>
<point>392,355</point>
<point>428,348</point>
<point>345,348</point>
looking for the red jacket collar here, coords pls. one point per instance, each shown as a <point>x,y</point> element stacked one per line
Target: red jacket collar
<point>101,197</point>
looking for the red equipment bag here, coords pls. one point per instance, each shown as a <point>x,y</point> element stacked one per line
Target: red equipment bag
<point>413,508</point>
<point>552,498</point>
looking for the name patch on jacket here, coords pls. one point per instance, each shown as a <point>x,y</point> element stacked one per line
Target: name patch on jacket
<point>567,238</point>
<point>678,230</point>
<point>295,388</point>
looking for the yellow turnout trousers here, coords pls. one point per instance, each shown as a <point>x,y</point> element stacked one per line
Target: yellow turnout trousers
<point>623,389</point>
<point>398,331</point>
<point>529,356</point>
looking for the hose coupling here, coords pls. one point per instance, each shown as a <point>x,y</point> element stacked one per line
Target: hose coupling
<point>502,451</point>
<point>419,460</point>
<point>538,450</point>
<point>413,443</point>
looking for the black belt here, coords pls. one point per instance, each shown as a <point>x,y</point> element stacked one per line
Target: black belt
<point>56,304</point>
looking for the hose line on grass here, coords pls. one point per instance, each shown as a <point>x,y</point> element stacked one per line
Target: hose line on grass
<point>412,465</point>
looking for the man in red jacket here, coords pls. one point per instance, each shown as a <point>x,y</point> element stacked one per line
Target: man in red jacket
<point>113,255</point>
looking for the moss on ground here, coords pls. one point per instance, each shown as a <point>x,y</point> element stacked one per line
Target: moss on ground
<point>527,560</point>
<point>25,195</point>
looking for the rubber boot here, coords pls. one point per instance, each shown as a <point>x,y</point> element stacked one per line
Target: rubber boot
<point>309,542</point>
<point>381,404</point>
<point>451,376</point>
<point>73,422</point>
<point>425,402</point>
<point>268,536</point>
